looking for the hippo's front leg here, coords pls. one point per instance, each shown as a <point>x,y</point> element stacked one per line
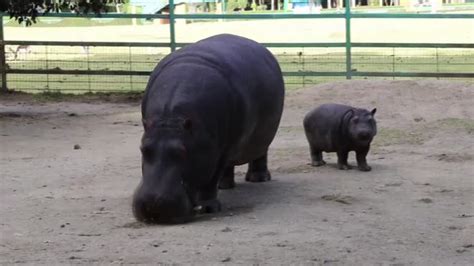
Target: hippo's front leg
<point>207,199</point>
<point>362,161</point>
<point>208,202</point>
<point>258,171</point>
<point>342,160</point>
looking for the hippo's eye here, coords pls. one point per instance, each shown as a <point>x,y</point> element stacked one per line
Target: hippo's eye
<point>355,120</point>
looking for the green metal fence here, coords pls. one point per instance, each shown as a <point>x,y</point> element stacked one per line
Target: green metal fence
<point>124,66</point>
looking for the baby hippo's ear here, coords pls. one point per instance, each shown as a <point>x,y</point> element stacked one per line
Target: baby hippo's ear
<point>373,111</point>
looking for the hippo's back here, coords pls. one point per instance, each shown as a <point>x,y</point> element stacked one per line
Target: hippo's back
<point>323,124</point>
<point>241,60</point>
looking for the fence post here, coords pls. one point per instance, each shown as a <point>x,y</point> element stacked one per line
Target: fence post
<point>3,63</point>
<point>348,40</point>
<point>437,62</point>
<point>393,62</point>
<point>172,30</point>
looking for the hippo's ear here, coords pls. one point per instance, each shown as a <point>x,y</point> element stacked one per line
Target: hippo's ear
<point>373,111</point>
<point>188,124</point>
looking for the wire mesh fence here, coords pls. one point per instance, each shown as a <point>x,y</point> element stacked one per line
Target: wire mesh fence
<point>84,60</point>
<point>86,68</point>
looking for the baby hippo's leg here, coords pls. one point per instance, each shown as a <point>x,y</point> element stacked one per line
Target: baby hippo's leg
<point>342,160</point>
<point>361,159</point>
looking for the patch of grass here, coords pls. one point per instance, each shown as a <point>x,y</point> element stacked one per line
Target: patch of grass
<point>57,96</point>
<point>455,123</point>
<point>50,96</point>
<point>394,136</point>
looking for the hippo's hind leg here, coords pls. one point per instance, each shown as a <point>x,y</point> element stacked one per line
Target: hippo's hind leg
<point>316,156</point>
<point>258,171</point>
<point>342,160</point>
<point>227,180</point>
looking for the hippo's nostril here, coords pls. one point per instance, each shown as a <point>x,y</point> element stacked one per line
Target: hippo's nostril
<point>155,208</point>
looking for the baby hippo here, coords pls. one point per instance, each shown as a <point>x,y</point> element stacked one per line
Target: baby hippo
<point>340,128</point>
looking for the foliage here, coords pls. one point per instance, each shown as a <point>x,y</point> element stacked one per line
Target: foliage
<point>236,4</point>
<point>28,10</point>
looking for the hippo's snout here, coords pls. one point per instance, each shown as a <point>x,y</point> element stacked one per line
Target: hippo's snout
<point>364,136</point>
<point>155,208</point>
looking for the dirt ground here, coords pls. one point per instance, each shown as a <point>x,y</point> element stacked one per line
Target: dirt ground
<point>60,205</point>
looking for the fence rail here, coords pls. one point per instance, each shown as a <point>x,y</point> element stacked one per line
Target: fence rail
<point>348,62</point>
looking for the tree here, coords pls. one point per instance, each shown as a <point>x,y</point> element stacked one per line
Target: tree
<point>28,10</point>
<point>233,5</point>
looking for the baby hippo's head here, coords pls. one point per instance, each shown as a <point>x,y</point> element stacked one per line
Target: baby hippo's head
<point>362,126</point>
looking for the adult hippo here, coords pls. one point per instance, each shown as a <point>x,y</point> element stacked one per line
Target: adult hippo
<point>207,107</point>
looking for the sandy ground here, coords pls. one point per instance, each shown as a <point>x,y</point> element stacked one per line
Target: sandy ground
<point>59,205</point>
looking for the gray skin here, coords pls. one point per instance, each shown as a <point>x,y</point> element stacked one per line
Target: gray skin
<point>340,128</point>
<point>207,107</point>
